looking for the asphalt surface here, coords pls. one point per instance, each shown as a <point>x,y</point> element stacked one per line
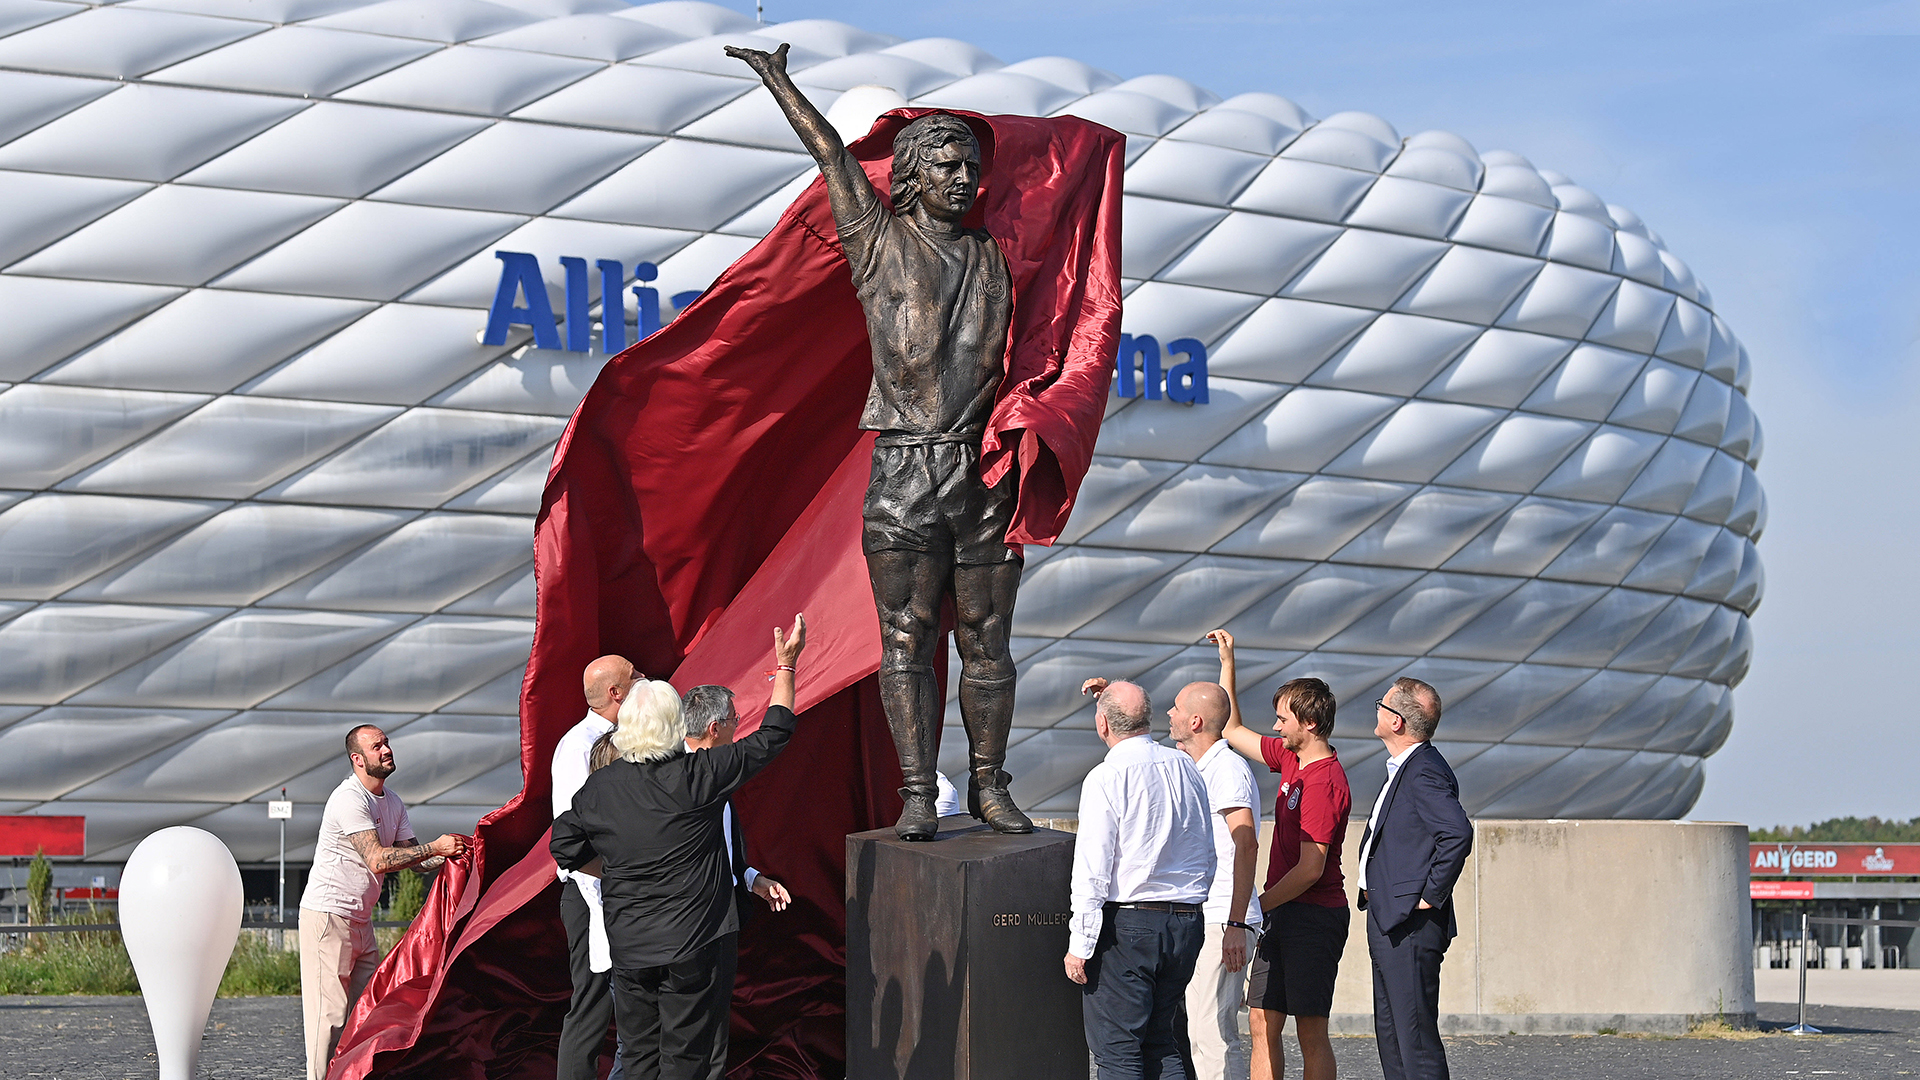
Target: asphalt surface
<point>107,1038</point>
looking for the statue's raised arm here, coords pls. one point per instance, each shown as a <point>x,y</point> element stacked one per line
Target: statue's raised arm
<point>847,187</point>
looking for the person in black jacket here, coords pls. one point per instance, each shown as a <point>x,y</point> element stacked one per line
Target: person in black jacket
<point>653,821</point>
<point>1413,850</point>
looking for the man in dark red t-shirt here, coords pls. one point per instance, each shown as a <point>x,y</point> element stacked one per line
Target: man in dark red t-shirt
<point>1304,899</point>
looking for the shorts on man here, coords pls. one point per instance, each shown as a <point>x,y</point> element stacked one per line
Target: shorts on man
<point>926,495</point>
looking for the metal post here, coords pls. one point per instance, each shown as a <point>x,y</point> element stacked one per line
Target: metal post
<point>1801,1028</point>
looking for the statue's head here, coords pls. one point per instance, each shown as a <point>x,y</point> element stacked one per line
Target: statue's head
<point>936,161</point>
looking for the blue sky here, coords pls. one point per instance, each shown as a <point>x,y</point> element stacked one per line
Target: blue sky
<point>1776,148</point>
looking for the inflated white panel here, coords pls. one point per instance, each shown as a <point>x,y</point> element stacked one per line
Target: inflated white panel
<point>1416,442</point>
<point>1670,478</point>
<point>28,100</point>
<point>233,760</point>
<point>431,20</point>
<point>491,82</point>
<point>50,320</point>
<point>1245,252</point>
<point>1517,454</point>
<point>172,349</point>
<point>241,554</point>
<point>1633,319</point>
<point>1562,300</point>
<point>1316,518</point>
<point>422,566</point>
<point>646,192</point>
<point>1193,172</point>
<point>1687,336</point>
<point>1719,486</point>
<point>510,491</point>
<point>1423,531</point>
<point>1588,384</point>
<point>908,76</point>
<point>1505,224</point>
<point>423,458</point>
<point>1154,231</point>
<point>539,381</point>
<point>52,542</point>
<point>1609,548</point>
<point>335,148</point>
<point>1655,399</point>
<point>1403,204</point>
<point>1077,584</point>
<point>243,658</point>
<point>1133,113</point>
<point>1603,467</point>
<point>118,42</point>
<point>233,447</point>
<point>1001,92</point>
<point>49,432</point>
<point>37,208</point>
<point>145,133</point>
<point>51,753</point>
<point>144,240</point>
<point>1308,610</point>
<point>57,649</point>
<point>1303,431</point>
<point>1238,129</point>
<point>633,97</point>
<point>1521,622</point>
<point>1367,269</point>
<point>1580,241</point>
<point>1340,146</point>
<point>1182,606</point>
<point>305,60</point>
<point>1305,189</point>
<point>1396,354</point>
<point>1284,340</point>
<point>422,667</point>
<point>1528,538</point>
<point>1192,510</point>
<point>1470,285</point>
<point>371,251</point>
<point>590,37</point>
<point>1500,368</point>
<point>1674,558</point>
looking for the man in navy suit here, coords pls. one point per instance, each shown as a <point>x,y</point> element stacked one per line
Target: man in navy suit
<point>1415,846</point>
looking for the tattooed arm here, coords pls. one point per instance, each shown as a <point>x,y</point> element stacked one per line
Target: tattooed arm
<point>409,852</point>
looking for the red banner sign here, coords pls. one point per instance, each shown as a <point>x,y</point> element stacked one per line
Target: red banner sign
<point>1834,860</point>
<point>1781,890</point>
<point>24,834</point>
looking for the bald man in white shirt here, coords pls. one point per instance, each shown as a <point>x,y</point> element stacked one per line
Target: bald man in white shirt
<point>1143,863</point>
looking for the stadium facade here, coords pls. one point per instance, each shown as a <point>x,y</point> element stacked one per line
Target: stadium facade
<point>275,409</point>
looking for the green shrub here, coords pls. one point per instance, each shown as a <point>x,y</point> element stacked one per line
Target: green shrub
<point>39,887</point>
<point>259,969</point>
<point>96,962</point>
<point>409,896</point>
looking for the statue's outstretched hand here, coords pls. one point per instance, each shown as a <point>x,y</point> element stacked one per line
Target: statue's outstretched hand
<point>761,62</point>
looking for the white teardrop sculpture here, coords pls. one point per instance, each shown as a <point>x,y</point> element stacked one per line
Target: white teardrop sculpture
<point>180,908</point>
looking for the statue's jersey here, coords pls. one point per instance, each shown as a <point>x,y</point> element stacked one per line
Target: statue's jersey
<point>937,312</point>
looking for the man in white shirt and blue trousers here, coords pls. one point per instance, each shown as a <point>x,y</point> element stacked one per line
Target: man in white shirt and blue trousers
<point>1143,863</point>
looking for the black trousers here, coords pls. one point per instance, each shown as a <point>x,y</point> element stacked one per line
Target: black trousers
<point>590,1014</point>
<point>1406,996</point>
<point>1134,1002</point>
<point>673,1019</point>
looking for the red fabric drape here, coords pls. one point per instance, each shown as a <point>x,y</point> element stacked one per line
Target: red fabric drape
<point>707,488</point>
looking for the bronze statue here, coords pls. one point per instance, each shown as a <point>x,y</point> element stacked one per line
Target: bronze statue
<point>938,302</point>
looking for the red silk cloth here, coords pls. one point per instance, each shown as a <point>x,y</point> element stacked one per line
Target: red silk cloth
<point>708,487</point>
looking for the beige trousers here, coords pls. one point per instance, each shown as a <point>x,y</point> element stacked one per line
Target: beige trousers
<point>337,957</point>
<point>1215,998</point>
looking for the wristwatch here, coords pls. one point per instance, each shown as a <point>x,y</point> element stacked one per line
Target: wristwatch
<point>1241,925</point>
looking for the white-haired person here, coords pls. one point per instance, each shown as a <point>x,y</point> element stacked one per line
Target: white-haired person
<point>651,825</point>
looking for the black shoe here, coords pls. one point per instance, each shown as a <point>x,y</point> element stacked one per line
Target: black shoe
<point>918,819</point>
<point>993,805</point>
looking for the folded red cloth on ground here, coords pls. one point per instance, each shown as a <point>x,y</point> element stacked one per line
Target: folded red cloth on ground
<point>707,488</point>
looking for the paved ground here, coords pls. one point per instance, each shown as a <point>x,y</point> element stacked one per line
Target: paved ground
<point>93,1038</point>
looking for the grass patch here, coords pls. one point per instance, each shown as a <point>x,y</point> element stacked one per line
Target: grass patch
<point>96,962</point>
<point>1718,1028</point>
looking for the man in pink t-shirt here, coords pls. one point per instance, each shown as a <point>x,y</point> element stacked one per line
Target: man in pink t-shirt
<point>1304,899</point>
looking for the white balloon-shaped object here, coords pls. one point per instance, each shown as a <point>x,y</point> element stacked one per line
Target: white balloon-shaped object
<point>856,110</point>
<point>180,908</point>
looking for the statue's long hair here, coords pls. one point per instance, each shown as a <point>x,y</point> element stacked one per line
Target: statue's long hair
<point>917,142</point>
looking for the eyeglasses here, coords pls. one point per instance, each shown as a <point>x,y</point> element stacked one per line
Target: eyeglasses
<point>1382,704</point>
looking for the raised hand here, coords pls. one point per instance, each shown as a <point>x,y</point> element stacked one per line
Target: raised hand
<point>786,648</point>
<point>1095,685</point>
<point>762,63</point>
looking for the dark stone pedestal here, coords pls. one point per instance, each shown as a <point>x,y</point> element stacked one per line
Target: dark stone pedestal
<point>954,952</point>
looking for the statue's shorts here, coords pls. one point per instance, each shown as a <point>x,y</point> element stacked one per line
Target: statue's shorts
<point>926,495</point>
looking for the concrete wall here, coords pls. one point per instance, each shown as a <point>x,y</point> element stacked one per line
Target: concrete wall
<point>1580,925</point>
